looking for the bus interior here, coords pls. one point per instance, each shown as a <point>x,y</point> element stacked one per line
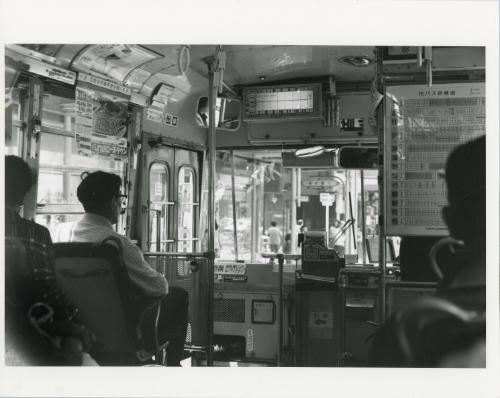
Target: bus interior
<point>217,145</point>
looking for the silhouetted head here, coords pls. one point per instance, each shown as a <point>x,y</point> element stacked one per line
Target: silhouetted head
<point>273,223</point>
<point>99,193</point>
<point>18,180</point>
<point>465,213</point>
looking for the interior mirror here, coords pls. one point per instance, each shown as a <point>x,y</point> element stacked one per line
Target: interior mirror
<point>227,113</point>
<point>354,157</point>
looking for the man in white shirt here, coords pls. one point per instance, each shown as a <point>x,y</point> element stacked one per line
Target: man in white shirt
<point>99,193</point>
<point>274,237</point>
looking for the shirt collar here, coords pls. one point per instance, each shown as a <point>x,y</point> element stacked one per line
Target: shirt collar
<point>97,220</point>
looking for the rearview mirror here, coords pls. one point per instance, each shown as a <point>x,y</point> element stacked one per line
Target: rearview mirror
<point>358,157</point>
<point>227,113</point>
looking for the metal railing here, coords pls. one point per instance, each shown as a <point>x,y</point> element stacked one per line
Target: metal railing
<point>190,272</point>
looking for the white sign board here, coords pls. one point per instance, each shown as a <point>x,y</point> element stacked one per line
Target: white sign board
<point>326,199</point>
<point>230,268</point>
<point>423,125</point>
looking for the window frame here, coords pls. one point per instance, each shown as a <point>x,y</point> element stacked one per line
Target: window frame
<point>195,204</point>
<point>165,209</point>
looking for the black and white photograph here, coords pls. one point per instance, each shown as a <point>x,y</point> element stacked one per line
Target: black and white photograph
<point>250,202</point>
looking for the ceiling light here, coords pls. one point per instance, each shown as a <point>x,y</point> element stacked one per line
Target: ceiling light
<point>356,60</point>
<point>309,152</point>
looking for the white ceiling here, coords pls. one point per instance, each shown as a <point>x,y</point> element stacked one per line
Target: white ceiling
<point>246,64</point>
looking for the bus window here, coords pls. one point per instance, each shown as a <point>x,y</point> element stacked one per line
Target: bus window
<point>248,189</point>
<point>61,166</point>
<point>187,208</point>
<point>263,194</point>
<point>13,123</point>
<point>158,210</point>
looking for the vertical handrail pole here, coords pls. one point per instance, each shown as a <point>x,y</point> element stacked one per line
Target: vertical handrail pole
<point>233,191</point>
<point>341,355</point>
<point>363,215</point>
<point>382,115</point>
<point>158,230</point>
<point>281,260</point>
<point>255,225</point>
<point>327,225</point>
<point>293,204</point>
<point>212,92</point>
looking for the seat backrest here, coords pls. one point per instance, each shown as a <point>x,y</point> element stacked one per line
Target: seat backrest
<point>95,280</point>
<point>425,333</point>
<point>16,269</point>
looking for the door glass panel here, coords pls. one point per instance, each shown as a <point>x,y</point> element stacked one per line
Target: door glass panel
<point>158,207</point>
<point>186,215</point>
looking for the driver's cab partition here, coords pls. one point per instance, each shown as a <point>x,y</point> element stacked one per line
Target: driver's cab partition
<point>190,272</point>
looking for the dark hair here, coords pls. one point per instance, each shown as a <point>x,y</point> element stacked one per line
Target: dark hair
<point>96,189</point>
<point>466,187</point>
<point>273,223</point>
<point>466,171</point>
<point>18,180</point>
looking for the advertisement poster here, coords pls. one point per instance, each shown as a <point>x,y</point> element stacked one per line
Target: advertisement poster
<point>113,60</point>
<point>424,125</point>
<point>101,123</point>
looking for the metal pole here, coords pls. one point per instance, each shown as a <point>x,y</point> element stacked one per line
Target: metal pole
<point>342,292</point>
<point>384,112</point>
<point>233,191</point>
<point>33,141</point>
<point>281,260</point>
<point>327,225</point>
<point>255,224</point>
<point>158,230</point>
<point>293,204</point>
<point>363,221</point>
<point>211,206</point>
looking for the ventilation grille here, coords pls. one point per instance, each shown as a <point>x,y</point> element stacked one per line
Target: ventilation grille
<point>229,310</point>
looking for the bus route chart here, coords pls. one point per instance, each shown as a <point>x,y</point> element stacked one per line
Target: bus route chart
<point>423,125</point>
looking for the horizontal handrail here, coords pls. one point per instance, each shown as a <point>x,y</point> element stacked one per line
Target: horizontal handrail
<point>286,256</point>
<point>395,283</point>
<point>177,254</point>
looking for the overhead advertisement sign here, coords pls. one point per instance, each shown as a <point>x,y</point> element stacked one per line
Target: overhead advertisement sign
<point>423,125</point>
<point>101,123</point>
<point>113,60</point>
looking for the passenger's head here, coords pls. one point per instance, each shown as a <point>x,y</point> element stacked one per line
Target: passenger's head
<point>99,193</point>
<point>465,213</point>
<point>273,223</point>
<point>18,180</point>
<point>203,105</point>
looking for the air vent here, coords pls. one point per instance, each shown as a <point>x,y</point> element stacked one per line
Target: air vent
<point>229,310</point>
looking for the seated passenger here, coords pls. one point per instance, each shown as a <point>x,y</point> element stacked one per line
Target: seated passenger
<point>99,193</point>
<point>453,337</point>
<point>464,277</point>
<point>31,288</point>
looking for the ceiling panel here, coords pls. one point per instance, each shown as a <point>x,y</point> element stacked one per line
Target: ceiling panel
<point>247,64</point>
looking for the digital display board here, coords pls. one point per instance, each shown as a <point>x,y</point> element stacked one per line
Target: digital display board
<point>298,101</point>
<point>423,125</point>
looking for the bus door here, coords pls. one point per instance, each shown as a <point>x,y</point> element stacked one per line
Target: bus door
<point>170,195</point>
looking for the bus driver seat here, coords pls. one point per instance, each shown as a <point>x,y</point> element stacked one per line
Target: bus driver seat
<point>94,277</point>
